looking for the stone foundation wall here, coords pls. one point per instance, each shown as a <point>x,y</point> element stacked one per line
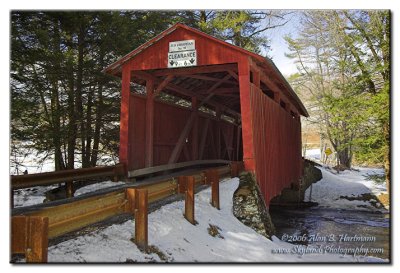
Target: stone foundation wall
<point>296,195</point>
<point>249,206</point>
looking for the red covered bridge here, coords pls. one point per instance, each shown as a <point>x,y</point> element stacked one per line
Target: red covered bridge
<point>187,96</point>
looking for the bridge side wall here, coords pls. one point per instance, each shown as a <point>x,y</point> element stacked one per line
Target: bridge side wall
<point>277,142</point>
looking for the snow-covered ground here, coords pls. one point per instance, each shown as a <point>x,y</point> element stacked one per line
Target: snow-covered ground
<point>176,240</point>
<point>350,183</point>
<point>313,154</point>
<point>31,196</point>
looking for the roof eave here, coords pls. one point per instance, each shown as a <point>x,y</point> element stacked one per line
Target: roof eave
<point>303,110</point>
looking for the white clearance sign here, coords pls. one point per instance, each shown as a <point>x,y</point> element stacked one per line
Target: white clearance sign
<point>182,53</point>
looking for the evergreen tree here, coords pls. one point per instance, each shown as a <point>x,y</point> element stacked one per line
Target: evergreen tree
<point>62,105</point>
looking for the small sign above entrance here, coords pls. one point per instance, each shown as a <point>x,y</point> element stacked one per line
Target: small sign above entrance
<point>182,53</point>
<point>182,45</point>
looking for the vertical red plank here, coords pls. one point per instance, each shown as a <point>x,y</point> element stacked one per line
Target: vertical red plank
<point>218,140</point>
<point>195,130</point>
<point>149,123</point>
<point>277,97</point>
<point>137,133</point>
<point>246,111</point>
<point>124,118</point>
<point>256,78</point>
<point>277,141</point>
<point>238,136</point>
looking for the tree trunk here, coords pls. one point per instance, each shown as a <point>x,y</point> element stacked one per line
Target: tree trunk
<point>344,157</point>
<point>203,17</point>
<point>78,93</point>
<point>55,102</point>
<point>55,107</point>
<point>72,122</point>
<point>88,128</point>
<point>99,114</point>
<point>98,123</point>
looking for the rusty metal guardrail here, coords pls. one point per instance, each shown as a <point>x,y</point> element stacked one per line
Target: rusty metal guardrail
<point>49,178</point>
<point>53,221</point>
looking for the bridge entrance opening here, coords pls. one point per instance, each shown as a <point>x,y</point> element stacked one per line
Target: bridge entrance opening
<point>190,97</point>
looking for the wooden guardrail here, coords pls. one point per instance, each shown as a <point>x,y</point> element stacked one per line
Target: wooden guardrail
<point>71,216</point>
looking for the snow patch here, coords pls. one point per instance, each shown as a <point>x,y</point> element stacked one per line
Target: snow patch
<point>328,191</point>
<point>31,196</point>
<point>313,154</point>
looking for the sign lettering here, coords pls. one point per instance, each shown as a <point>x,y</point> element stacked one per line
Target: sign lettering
<point>182,53</point>
<point>182,45</point>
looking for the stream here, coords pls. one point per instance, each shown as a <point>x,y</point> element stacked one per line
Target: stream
<point>334,229</point>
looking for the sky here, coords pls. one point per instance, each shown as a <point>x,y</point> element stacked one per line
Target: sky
<point>279,46</point>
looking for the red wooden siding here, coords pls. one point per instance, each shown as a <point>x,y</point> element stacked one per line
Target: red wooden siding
<point>277,141</point>
<point>137,133</point>
<point>169,121</point>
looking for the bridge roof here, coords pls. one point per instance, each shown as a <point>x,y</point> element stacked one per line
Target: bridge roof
<point>152,57</point>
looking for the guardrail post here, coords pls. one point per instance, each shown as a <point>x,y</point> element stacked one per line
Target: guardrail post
<point>212,178</point>
<point>186,186</point>
<point>141,219</point>
<point>37,240</point>
<point>69,189</point>
<point>119,172</point>
<point>189,200</point>
<point>19,225</point>
<point>29,236</point>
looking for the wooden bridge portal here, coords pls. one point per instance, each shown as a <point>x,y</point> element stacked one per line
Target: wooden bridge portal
<point>188,96</point>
